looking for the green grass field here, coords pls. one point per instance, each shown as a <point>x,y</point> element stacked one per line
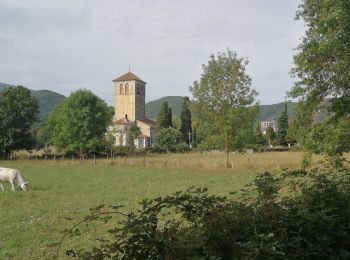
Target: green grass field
<point>32,221</point>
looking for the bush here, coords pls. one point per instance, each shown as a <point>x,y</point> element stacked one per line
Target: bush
<point>124,150</point>
<point>311,222</point>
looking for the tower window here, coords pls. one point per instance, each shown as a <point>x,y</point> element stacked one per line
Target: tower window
<point>138,89</point>
<point>126,89</point>
<point>121,89</point>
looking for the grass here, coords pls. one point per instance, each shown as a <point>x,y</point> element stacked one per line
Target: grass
<point>32,221</point>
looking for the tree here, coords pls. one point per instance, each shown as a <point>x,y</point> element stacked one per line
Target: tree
<point>18,111</point>
<point>282,124</point>
<point>224,99</point>
<point>133,133</point>
<point>259,138</point>
<point>323,61</point>
<point>168,138</point>
<point>80,122</point>
<point>186,121</point>
<point>163,116</point>
<point>176,122</point>
<point>169,118</point>
<point>270,134</point>
<point>330,138</point>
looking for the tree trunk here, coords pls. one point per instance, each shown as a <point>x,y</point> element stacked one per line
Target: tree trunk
<point>227,152</point>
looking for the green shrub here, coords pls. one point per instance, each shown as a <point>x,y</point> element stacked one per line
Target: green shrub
<point>311,221</point>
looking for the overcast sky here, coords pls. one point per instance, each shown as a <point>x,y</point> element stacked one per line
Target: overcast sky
<point>67,45</point>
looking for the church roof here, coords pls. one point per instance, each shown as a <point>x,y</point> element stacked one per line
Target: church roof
<point>123,121</point>
<point>127,77</point>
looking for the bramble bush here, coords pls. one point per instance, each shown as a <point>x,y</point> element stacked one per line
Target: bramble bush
<point>294,215</point>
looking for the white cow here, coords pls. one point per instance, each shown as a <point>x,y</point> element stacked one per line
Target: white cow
<point>12,176</point>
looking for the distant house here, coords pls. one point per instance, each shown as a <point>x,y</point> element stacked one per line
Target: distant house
<point>129,106</point>
<point>265,124</point>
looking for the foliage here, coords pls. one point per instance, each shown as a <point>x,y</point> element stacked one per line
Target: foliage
<point>18,111</point>
<point>169,117</point>
<point>330,138</point>
<point>300,124</point>
<point>164,118</point>
<point>259,138</point>
<point>323,61</point>
<point>133,133</point>
<point>282,124</point>
<point>270,135</point>
<point>176,122</point>
<point>223,98</point>
<point>80,122</point>
<point>311,222</point>
<point>168,138</point>
<point>40,134</point>
<point>186,120</point>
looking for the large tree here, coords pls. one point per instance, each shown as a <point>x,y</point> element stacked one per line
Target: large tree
<point>18,111</point>
<point>79,123</point>
<point>323,59</point>
<point>282,124</point>
<point>223,101</point>
<point>186,120</point>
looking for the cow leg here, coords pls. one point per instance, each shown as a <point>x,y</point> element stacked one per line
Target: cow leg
<point>2,188</point>
<point>13,186</point>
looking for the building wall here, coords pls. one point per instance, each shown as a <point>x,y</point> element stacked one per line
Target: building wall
<point>132,103</point>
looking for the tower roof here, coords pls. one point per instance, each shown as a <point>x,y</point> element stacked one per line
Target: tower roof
<point>127,77</point>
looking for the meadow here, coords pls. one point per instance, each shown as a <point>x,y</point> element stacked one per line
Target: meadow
<point>62,191</point>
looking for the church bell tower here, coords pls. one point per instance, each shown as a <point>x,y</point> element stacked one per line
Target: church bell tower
<point>129,97</point>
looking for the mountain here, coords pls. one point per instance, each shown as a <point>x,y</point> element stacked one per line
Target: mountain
<point>3,86</point>
<point>272,112</point>
<point>47,100</point>
<point>267,112</point>
<point>153,107</point>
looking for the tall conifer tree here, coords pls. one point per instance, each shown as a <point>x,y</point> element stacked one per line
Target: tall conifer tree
<point>186,121</point>
<point>282,123</point>
<point>164,118</point>
<point>169,117</point>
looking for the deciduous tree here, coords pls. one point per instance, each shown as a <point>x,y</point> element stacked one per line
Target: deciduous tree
<point>133,133</point>
<point>80,122</point>
<point>224,100</point>
<point>18,111</point>
<point>323,59</point>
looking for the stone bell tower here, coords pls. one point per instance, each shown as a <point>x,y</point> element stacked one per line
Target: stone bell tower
<point>129,97</point>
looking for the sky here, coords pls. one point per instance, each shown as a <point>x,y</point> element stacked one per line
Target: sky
<point>66,45</point>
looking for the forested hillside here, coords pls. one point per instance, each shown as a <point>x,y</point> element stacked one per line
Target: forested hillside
<point>153,107</point>
<point>267,112</point>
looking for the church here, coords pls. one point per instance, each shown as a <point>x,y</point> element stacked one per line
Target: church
<point>129,108</point>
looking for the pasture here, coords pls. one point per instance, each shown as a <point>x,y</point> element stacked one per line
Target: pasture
<point>61,193</point>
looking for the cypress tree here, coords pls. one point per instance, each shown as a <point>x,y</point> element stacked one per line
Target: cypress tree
<point>162,118</point>
<point>169,118</point>
<point>186,121</point>
<point>282,124</point>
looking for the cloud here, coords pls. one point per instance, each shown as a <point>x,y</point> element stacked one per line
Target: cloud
<point>66,45</point>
